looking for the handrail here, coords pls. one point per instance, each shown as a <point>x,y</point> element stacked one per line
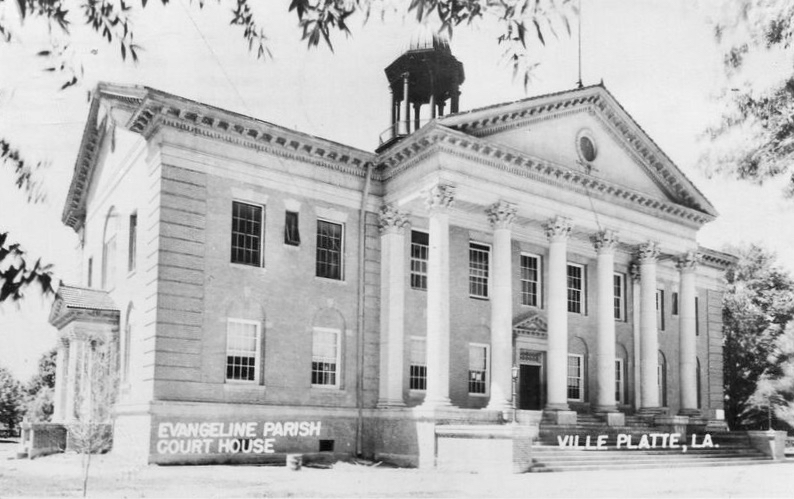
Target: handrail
<point>401,129</point>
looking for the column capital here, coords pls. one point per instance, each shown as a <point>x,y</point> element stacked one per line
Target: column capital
<point>558,228</point>
<point>634,271</point>
<point>605,241</point>
<point>688,262</point>
<point>391,220</point>
<point>440,196</point>
<point>648,252</point>
<point>501,214</point>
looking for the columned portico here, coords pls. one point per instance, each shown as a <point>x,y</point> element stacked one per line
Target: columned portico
<point>687,265</point>
<point>605,242</point>
<point>501,216</point>
<point>71,385</point>
<point>439,200</point>
<point>649,340</point>
<point>392,306</point>
<point>557,230</point>
<point>61,370</point>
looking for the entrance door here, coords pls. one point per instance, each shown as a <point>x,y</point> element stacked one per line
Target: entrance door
<point>529,388</point>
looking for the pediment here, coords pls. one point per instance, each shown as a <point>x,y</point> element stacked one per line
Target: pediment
<point>551,128</point>
<point>533,325</point>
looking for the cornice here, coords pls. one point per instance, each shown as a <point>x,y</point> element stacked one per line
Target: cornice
<point>396,161</point>
<point>600,103</point>
<point>715,259</point>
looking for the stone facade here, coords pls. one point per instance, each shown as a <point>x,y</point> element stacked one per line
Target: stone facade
<point>487,252</point>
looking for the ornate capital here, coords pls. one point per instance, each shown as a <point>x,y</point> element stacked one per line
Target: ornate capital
<point>391,220</point>
<point>688,262</point>
<point>648,252</point>
<point>605,241</point>
<point>501,214</point>
<point>634,271</point>
<point>440,196</point>
<point>558,228</point>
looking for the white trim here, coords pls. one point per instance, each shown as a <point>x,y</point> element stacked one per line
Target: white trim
<point>622,315</point>
<point>411,258</point>
<point>620,380</point>
<point>338,371</point>
<point>581,376</point>
<point>412,339</point>
<point>342,266</point>
<point>582,290</point>
<point>487,380</point>
<point>262,221</point>
<point>258,355</point>
<point>249,196</point>
<point>331,215</point>
<point>487,295</point>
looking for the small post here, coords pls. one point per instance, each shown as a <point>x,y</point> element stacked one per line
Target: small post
<point>514,373</point>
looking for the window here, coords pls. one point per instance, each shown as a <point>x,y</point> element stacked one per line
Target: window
<point>247,234</point>
<point>133,243</point>
<point>418,367</point>
<point>661,379</point>
<point>620,296</point>
<point>619,381</point>
<point>292,234</point>
<point>325,357</point>
<point>674,304</point>
<point>90,271</point>
<point>479,257</point>
<point>575,288</point>
<point>478,369</point>
<point>530,280</point>
<point>242,350</point>
<point>420,245</point>
<point>697,316</point>
<point>660,309</point>
<point>329,250</point>
<point>109,252</point>
<point>575,375</point>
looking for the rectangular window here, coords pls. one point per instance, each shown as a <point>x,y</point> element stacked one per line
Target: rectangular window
<point>247,234</point>
<point>243,342</point>
<point>478,369</point>
<point>620,296</point>
<point>418,366</point>
<point>292,234</point>
<point>575,370</point>
<point>90,271</point>
<point>420,245</point>
<point>329,250</point>
<point>697,316</point>
<point>479,258</point>
<point>325,357</point>
<point>660,309</point>
<point>133,243</point>
<point>530,280</point>
<point>619,381</point>
<point>575,288</point>
<point>674,305</point>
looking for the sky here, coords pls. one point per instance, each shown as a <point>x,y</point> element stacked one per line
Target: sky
<point>657,57</point>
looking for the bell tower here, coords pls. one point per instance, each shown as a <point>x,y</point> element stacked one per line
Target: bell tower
<point>427,73</point>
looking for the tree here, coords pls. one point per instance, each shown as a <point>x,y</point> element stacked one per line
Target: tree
<point>775,391</point>
<point>520,22</point>
<point>40,390</point>
<point>758,303</point>
<point>756,125</point>
<point>10,400</point>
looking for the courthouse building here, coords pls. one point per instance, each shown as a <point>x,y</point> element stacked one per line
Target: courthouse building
<point>541,253</point>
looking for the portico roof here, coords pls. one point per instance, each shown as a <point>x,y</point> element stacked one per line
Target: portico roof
<point>74,302</point>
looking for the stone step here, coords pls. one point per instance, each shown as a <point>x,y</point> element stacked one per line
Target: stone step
<point>621,455</point>
<point>649,465</point>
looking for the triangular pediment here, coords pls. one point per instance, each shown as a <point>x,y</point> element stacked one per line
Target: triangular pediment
<point>551,128</point>
<point>530,325</point>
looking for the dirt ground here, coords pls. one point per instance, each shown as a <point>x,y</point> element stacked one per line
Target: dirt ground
<point>111,476</point>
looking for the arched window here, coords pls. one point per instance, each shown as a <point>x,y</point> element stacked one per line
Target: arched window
<point>697,373</point>
<point>109,250</point>
<point>661,379</point>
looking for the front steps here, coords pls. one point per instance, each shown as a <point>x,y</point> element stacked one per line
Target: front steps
<point>729,449</point>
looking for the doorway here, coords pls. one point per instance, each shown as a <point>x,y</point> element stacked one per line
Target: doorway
<point>529,395</point>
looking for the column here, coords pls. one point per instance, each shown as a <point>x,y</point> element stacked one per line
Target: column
<point>61,370</point>
<point>405,119</point>
<point>687,362</point>
<point>501,216</point>
<point>635,332</point>
<point>649,339</point>
<point>72,379</point>
<point>417,115</point>
<point>605,242</point>
<point>392,306</point>
<point>439,200</point>
<point>558,230</point>
<point>394,111</point>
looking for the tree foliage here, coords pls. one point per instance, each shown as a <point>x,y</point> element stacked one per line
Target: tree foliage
<point>11,400</point>
<point>520,22</point>
<point>775,391</point>
<point>40,390</point>
<point>758,303</point>
<point>762,114</point>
